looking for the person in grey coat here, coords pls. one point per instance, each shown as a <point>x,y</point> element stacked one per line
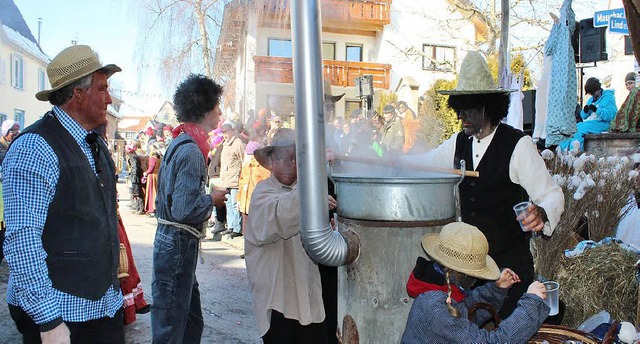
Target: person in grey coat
<point>183,208</point>
<point>392,131</point>
<point>440,312</point>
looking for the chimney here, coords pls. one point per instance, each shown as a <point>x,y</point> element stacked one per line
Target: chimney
<point>39,29</point>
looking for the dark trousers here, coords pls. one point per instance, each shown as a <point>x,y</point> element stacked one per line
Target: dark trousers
<point>521,262</point>
<point>2,230</point>
<point>221,214</point>
<point>329,280</point>
<point>289,331</point>
<point>176,314</point>
<point>104,330</point>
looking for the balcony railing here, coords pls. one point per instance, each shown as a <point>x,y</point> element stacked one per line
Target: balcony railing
<point>339,73</point>
<point>361,14</point>
<point>350,10</point>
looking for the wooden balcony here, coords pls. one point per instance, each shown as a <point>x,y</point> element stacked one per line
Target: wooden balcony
<point>337,15</point>
<point>340,73</point>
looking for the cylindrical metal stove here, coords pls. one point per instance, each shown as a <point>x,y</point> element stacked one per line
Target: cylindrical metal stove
<point>389,216</point>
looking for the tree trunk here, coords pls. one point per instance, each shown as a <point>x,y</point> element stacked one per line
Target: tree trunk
<point>632,12</point>
<point>503,53</point>
<point>204,39</point>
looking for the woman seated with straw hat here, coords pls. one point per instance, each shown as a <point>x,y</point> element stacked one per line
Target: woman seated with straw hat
<point>440,312</point>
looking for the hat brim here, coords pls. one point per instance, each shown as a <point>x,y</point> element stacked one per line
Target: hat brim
<point>470,92</point>
<point>110,69</point>
<point>262,156</point>
<point>490,271</point>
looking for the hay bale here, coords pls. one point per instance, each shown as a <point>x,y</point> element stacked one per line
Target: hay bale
<point>602,278</point>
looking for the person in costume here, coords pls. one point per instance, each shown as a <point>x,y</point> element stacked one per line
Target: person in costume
<point>285,283</point>
<point>183,208</point>
<point>60,198</point>
<point>511,171</point>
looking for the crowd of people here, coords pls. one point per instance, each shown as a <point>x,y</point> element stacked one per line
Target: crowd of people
<point>72,273</point>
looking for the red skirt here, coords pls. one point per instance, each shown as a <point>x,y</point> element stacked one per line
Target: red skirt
<point>130,286</point>
<point>150,194</point>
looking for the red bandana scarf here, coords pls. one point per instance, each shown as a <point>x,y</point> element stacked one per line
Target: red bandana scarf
<point>197,134</point>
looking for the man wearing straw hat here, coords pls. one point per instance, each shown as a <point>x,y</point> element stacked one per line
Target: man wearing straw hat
<point>511,171</point>
<point>60,206</point>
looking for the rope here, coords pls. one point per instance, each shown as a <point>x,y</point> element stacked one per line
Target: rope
<point>196,233</point>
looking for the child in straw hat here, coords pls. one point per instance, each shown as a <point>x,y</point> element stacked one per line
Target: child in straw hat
<point>439,313</point>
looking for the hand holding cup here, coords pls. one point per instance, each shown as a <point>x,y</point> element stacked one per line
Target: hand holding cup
<point>537,288</point>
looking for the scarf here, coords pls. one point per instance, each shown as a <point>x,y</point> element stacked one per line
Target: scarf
<point>197,134</point>
<point>425,278</point>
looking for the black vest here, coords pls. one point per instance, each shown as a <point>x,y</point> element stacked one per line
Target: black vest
<point>80,234</point>
<point>487,202</point>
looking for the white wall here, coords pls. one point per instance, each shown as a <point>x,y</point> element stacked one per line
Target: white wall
<point>23,99</point>
<point>414,23</point>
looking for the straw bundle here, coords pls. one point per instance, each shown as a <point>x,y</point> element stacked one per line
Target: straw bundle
<point>601,278</point>
<point>596,191</point>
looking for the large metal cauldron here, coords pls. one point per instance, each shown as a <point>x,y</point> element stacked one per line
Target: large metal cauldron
<point>389,215</point>
<point>396,198</point>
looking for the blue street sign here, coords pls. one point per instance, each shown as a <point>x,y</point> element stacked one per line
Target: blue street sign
<point>618,25</point>
<point>601,18</point>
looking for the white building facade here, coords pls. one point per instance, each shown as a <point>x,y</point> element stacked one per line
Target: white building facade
<point>389,39</point>
<point>22,70</point>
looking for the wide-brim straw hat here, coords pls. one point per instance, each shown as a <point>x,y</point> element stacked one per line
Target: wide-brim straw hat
<point>282,138</point>
<point>462,247</point>
<point>474,77</point>
<point>72,64</point>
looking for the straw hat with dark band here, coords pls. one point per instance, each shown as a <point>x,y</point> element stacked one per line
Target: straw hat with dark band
<point>463,248</point>
<point>72,64</point>
<point>474,77</point>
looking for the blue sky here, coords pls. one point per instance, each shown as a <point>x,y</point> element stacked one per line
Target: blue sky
<point>109,27</point>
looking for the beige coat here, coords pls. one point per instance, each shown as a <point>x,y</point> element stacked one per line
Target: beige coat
<point>231,159</point>
<point>281,275</point>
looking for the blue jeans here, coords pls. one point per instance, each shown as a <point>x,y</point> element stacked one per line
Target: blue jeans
<point>234,220</point>
<point>176,315</point>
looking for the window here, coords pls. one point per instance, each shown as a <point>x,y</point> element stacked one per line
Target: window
<point>18,116</point>
<point>354,52</point>
<point>328,50</point>
<point>350,106</point>
<point>3,117</point>
<point>41,83</point>
<point>439,58</point>
<point>17,70</point>
<point>3,71</point>
<point>280,47</point>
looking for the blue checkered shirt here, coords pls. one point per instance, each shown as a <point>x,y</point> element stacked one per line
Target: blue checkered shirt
<point>30,174</point>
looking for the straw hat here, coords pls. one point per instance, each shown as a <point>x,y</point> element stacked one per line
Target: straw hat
<point>72,64</point>
<point>282,138</point>
<point>463,248</point>
<point>474,77</point>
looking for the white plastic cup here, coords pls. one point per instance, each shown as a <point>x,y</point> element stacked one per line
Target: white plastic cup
<point>521,213</point>
<point>552,296</point>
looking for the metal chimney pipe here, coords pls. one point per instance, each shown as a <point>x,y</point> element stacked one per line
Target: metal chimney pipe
<point>323,244</point>
<point>39,29</point>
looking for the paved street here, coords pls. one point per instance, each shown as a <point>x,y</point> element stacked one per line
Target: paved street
<point>226,301</point>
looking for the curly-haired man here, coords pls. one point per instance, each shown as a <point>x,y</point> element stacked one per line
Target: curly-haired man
<point>183,208</point>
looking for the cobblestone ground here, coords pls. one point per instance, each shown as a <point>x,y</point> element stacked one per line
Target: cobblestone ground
<point>226,299</point>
